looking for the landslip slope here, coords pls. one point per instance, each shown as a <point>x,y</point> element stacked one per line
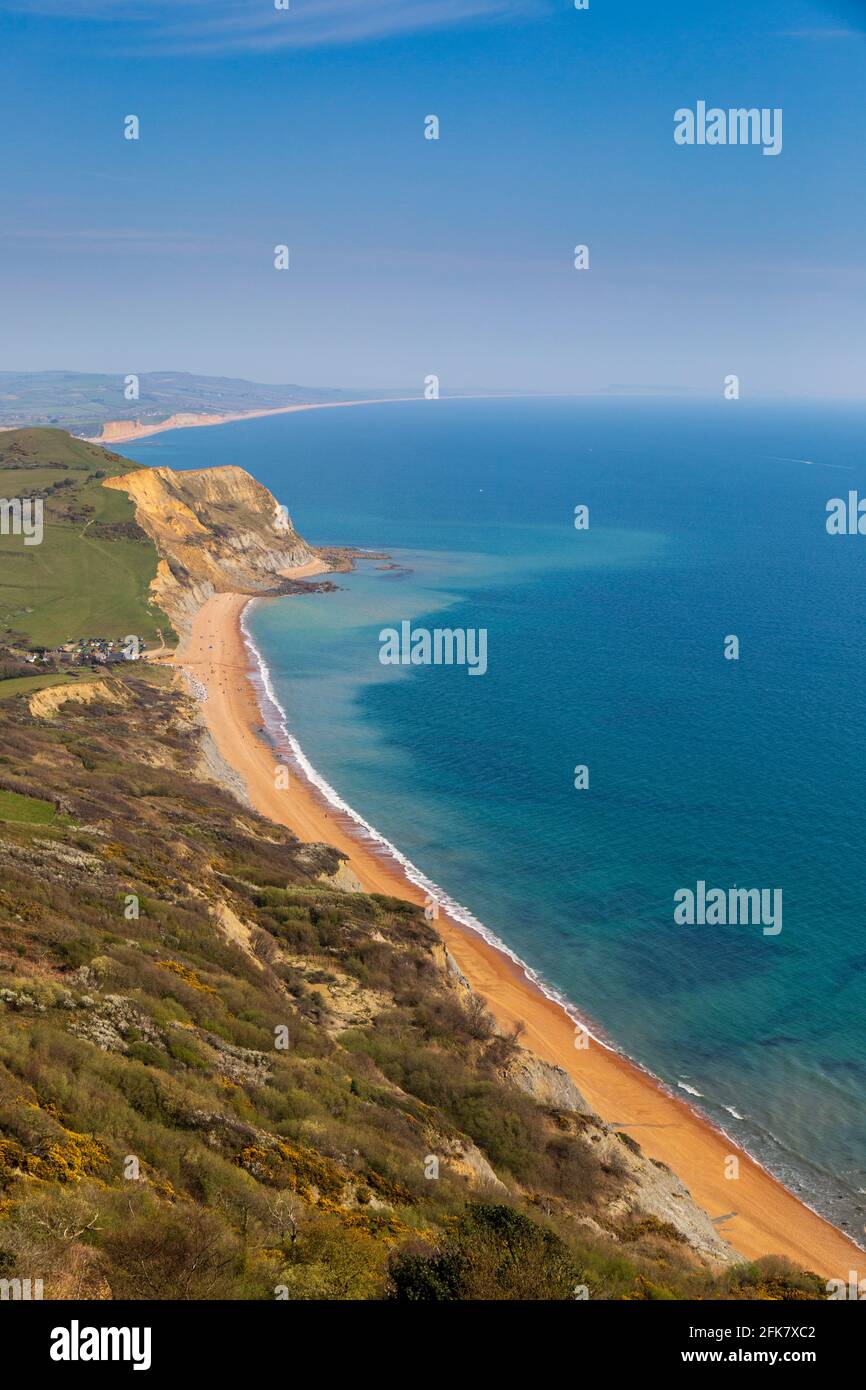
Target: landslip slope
<point>221,1073</point>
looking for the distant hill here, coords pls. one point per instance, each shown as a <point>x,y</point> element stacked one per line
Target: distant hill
<point>83,401</point>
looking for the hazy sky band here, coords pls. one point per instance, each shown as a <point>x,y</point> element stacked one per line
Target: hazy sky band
<point>455,256</point>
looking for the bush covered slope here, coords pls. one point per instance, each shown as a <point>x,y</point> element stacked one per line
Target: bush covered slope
<point>222,1076</point>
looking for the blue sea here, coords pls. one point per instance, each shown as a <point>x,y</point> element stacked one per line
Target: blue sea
<point>606,649</point>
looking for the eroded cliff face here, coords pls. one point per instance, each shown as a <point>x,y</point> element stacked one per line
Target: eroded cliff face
<point>648,1191</point>
<point>217,530</point>
<point>118,431</point>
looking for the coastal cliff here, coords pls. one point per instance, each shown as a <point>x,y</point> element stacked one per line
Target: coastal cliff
<point>216,530</point>
<point>121,431</point>
<point>224,1067</point>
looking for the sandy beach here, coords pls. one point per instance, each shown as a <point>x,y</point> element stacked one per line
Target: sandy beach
<point>122,431</point>
<point>755,1213</point>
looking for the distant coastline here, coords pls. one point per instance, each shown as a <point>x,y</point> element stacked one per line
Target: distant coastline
<point>123,431</point>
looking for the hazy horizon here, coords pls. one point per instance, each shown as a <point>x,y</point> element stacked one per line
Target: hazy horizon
<point>638,390</point>
<point>453,257</point>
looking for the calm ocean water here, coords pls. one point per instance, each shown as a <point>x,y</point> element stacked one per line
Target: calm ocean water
<point>605,648</point>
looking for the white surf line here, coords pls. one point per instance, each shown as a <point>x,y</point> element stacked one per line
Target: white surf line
<point>261,677</point>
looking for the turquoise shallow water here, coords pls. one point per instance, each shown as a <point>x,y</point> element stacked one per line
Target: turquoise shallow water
<point>605,648</point>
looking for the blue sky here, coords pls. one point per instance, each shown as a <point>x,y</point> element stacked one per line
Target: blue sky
<point>455,256</point>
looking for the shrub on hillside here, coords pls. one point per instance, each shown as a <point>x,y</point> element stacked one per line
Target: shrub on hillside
<point>490,1253</point>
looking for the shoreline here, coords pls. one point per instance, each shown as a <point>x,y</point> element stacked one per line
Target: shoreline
<point>756,1213</point>
<point>187,420</point>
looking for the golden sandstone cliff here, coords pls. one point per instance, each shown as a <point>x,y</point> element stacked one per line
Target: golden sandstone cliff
<point>217,530</point>
<point>117,431</point>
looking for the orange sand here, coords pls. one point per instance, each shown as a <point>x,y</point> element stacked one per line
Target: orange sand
<point>755,1213</point>
<point>121,431</point>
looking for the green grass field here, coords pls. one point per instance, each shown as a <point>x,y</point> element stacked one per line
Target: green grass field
<point>26,685</point>
<point>76,583</point>
<point>28,810</point>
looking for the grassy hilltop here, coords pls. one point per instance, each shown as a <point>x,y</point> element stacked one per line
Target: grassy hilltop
<point>90,575</point>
